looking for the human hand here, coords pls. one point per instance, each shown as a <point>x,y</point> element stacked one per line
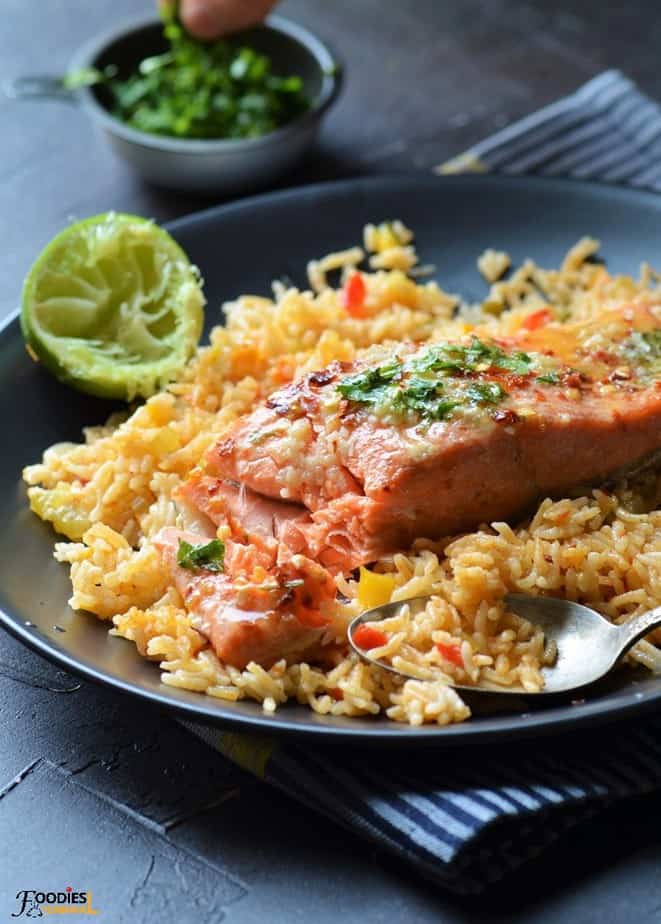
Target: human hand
<point>209,19</point>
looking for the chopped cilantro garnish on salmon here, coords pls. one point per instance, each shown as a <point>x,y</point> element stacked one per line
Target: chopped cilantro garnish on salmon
<point>485,393</point>
<point>436,383</point>
<point>206,557</point>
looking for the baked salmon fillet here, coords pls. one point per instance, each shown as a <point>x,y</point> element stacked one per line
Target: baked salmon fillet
<point>359,459</point>
<point>433,440</point>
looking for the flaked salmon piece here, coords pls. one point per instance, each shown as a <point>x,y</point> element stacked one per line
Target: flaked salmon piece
<point>249,614</point>
<point>279,529</point>
<point>437,439</point>
<point>337,535</point>
<point>252,518</point>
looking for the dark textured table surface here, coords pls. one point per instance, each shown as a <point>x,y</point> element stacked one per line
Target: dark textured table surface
<point>116,798</point>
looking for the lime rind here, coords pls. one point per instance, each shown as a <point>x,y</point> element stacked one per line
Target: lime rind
<point>113,307</point>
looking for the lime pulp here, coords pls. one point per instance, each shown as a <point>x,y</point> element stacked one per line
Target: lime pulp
<point>113,307</point>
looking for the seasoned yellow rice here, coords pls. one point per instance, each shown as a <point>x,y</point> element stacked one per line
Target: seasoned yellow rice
<point>111,494</point>
<point>493,264</point>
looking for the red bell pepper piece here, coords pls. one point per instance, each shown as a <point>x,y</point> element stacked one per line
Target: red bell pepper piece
<point>451,653</point>
<point>353,295</point>
<point>537,319</point>
<point>367,637</point>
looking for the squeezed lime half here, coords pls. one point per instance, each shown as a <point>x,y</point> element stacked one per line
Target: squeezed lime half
<point>113,307</point>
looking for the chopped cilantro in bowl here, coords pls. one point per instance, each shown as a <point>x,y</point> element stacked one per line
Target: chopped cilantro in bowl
<point>222,140</point>
<point>202,91</point>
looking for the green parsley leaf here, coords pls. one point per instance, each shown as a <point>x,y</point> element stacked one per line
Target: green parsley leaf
<point>549,378</point>
<point>205,557</point>
<point>423,397</point>
<point>455,358</point>
<point>485,393</point>
<point>439,410</point>
<point>367,386</point>
<point>443,358</point>
<point>518,363</point>
<point>433,384</point>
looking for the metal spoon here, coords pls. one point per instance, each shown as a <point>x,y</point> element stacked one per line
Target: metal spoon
<point>588,645</point>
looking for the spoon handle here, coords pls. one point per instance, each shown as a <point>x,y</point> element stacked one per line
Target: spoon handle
<point>634,630</point>
<point>37,86</point>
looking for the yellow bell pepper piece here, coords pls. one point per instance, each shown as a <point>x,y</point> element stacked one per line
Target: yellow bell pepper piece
<point>374,589</point>
<point>59,507</point>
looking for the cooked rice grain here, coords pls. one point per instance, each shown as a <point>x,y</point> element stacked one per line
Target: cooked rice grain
<point>493,264</point>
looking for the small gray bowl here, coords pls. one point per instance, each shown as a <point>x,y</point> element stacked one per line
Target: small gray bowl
<point>223,166</point>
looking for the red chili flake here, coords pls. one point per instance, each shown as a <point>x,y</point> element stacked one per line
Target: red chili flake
<point>322,377</point>
<point>603,356</point>
<point>353,295</point>
<point>366,637</point>
<point>506,380</point>
<point>450,653</point>
<point>507,417</point>
<point>573,379</point>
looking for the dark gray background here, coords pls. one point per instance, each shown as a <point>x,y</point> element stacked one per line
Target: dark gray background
<point>114,797</point>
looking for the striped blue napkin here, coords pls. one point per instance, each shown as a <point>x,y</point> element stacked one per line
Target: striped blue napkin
<point>463,818</point>
<point>466,818</point>
<point>607,131</point>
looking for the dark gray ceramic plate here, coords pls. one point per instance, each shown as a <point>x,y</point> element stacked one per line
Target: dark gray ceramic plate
<point>241,248</point>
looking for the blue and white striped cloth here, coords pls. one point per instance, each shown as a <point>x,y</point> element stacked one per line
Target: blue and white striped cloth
<point>462,818</point>
<point>607,130</point>
<point>465,818</point>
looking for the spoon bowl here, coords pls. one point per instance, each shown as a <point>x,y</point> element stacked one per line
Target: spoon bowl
<point>588,646</point>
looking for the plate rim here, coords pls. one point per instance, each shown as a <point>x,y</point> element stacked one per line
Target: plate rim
<point>556,719</point>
